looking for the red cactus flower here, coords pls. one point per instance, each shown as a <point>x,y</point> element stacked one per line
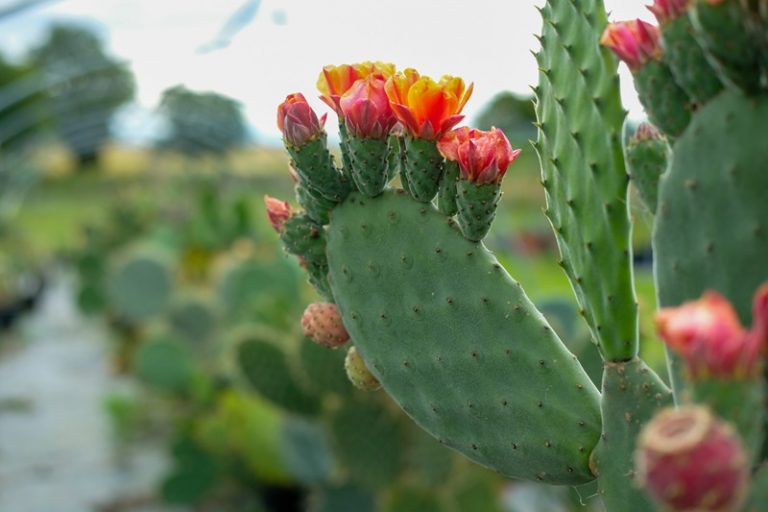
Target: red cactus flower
<point>483,157</point>
<point>278,212</point>
<point>335,81</point>
<point>668,10</point>
<point>366,109</point>
<point>634,42</point>
<point>708,335</point>
<point>687,460</point>
<point>298,121</point>
<point>427,109</point>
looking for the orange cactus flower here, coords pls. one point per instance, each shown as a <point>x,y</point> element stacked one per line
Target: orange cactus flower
<point>366,109</point>
<point>334,81</point>
<point>708,335</point>
<point>427,109</point>
<point>278,212</point>
<point>483,157</point>
<point>297,120</point>
<point>634,42</point>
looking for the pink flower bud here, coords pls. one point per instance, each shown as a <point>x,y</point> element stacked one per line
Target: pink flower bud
<point>321,322</point>
<point>634,42</point>
<point>709,337</point>
<point>366,109</point>
<point>668,10</point>
<point>278,212</point>
<point>298,121</point>
<point>646,131</point>
<point>689,461</point>
<point>483,157</point>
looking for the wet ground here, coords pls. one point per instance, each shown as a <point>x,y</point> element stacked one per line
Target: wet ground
<point>57,449</point>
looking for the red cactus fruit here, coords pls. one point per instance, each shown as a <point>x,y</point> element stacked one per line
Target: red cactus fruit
<point>321,323</point>
<point>689,461</point>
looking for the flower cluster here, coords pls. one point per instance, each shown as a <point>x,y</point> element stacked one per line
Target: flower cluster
<point>371,97</point>
<point>708,335</point>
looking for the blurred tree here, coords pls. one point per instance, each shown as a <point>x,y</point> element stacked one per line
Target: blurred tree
<point>201,122</point>
<point>513,114</point>
<point>23,104</point>
<point>85,84</point>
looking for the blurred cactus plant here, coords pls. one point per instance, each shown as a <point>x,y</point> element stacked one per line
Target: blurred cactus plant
<point>453,338</point>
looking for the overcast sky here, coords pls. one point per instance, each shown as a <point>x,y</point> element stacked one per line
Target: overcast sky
<point>285,43</point>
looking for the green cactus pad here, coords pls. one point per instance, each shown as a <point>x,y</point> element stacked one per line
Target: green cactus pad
<point>457,343</point>
<point>423,168</point>
<point>266,367</point>
<point>195,474</point>
<point>687,60</point>
<point>394,157</point>
<point>324,368</point>
<point>305,451</point>
<point>446,195</point>
<point>368,442</point>
<point>632,392</point>
<point>192,318</point>
<point>316,206</point>
<point>711,227</point>
<point>370,168</point>
<point>476,206</point>
<point>646,161</point>
<point>667,105</point>
<point>412,499</point>
<point>580,119</point>
<point>139,286</point>
<point>314,165</point>
<point>347,498</point>
<point>164,364</point>
<point>723,30</point>
<point>304,238</point>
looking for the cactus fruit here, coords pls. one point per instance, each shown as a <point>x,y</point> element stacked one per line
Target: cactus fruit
<point>321,322</point>
<point>647,153</point>
<point>358,373</point>
<point>688,460</point>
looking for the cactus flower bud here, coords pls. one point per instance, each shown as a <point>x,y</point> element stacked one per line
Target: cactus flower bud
<point>321,322</point>
<point>358,373</point>
<point>689,461</point>
<point>635,42</point>
<point>426,108</point>
<point>708,335</point>
<point>483,157</point>
<point>278,212</point>
<point>366,109</point>
<point>667,10</point>
<point>298,121</point>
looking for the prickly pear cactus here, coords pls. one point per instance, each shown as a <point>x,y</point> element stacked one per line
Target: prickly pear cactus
<point>453,338</point>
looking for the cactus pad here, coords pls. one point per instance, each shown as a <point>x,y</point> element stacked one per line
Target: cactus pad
<point>457,343</point>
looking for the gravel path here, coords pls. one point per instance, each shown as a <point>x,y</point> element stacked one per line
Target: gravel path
<point>56,450</point>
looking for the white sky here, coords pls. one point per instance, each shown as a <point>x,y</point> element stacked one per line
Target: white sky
<point>282,50</point>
